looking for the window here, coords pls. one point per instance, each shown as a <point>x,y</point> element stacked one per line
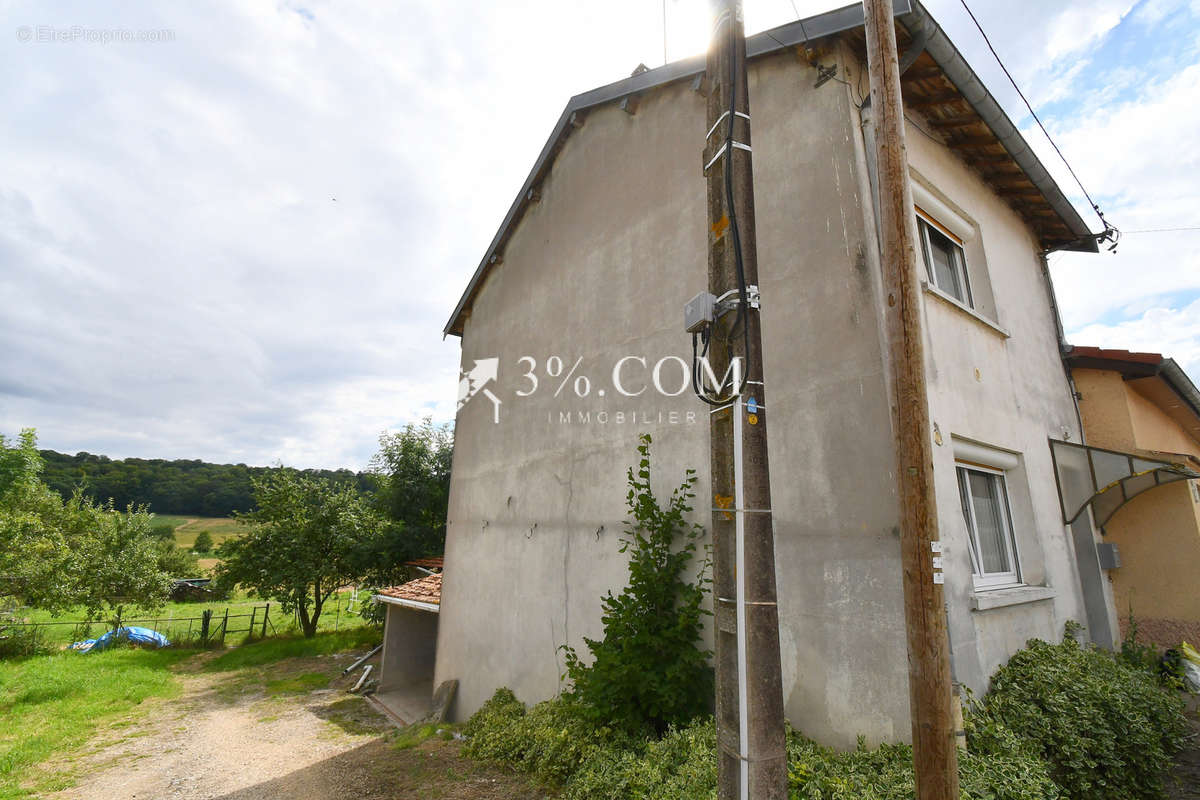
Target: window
<point>985,508</point>
<point>944,259</point>
<point>1196,490</point>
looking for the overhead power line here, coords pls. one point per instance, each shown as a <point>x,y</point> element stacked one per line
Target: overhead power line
<point>1165,230</point>
<point>1111,233</point>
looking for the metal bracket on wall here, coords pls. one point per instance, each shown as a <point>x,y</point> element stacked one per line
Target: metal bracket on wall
<point>824,74</point>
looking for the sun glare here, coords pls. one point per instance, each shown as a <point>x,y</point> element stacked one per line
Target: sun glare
<point>689,22</point>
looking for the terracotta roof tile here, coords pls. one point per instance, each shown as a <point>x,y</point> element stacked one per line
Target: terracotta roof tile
<point>427,563</point>
<point>1114,355</point>
<point>423,590</point>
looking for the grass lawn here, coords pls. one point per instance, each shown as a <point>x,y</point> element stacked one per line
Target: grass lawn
<point>51,705</point>
<point>175,620</point>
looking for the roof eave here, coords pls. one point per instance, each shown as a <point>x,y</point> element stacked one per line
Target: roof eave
<point>908,12</point>
<point>922,26</point>
<point>414,604</point>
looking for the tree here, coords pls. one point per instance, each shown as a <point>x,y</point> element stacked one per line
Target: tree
<point>412,488</point>
<point>57,553</point>
<point>300,546</point>
<point>35,560</point>
<point>203,543</point>
<point>120,566</point>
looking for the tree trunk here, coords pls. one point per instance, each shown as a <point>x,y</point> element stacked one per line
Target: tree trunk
<point>309,624</point>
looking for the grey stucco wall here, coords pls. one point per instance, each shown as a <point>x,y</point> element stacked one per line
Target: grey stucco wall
<point>599,269</point>
<point>1005,389</point>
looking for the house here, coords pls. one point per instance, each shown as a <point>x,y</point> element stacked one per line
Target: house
<point>410,642</point>
<point>572,345</point>
<point>1143,406</point>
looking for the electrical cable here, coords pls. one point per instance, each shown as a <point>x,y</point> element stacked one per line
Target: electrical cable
<point>1111,232</point>
<point>1164,230</point>
<point>736,240</point>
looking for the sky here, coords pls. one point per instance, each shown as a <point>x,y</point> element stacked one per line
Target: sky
<point>235,231</point>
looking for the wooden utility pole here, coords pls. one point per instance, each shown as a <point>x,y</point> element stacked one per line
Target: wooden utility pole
<point>750,724</point>
<point>935,757</point>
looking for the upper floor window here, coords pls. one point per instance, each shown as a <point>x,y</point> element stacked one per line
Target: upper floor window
<point>945,261</point>
<point>985,508</point>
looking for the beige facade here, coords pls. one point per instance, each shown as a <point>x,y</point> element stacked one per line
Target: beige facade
<point>1158,532</point>
<point>596,267</point>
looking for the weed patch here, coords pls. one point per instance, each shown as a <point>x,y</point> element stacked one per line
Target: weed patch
<point>298,684</point>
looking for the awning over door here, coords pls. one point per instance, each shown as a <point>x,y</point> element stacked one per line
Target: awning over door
<point>1106,479</point>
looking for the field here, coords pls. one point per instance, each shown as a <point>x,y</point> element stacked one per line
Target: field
<point>188,528</point>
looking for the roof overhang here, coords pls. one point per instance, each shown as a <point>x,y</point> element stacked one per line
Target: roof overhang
<point>1157,378</point>
<point>1033,193</point>
<point>400,601</point>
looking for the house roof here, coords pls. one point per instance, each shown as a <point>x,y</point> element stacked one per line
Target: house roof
<point>426,563</point>
<point>938,83</point>
<point>424,593</point>
<point>1154,375</point>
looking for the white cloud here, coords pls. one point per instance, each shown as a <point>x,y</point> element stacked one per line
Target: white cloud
<point>1174,332</point>
<point>180,282</point>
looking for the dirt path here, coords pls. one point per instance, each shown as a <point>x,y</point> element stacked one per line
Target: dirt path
<point>284,731</point>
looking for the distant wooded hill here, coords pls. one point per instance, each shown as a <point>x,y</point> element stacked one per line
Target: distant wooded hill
<point>170,487</point>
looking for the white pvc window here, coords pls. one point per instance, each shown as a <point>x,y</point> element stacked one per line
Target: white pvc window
<point>985,508</point>
<point>945,261</point>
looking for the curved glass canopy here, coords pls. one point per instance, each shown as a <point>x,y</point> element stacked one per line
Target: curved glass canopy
<point>1106,479</point>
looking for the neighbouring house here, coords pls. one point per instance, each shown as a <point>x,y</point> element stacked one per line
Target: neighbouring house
<point>573,344</point>
<point>1144,407</point>
<point>410,642</point>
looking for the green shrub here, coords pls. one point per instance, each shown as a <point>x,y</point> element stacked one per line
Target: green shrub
<point>550,740</point>
<point>18,640</point>
<point>886,773</point>
<point>649,669</point>
<point>375,613</point>
<point>682,765</point>
<point>163,530</point>
<point>557,744</point>
<point>176,561</point>
<point>1107,729</point>
<point>203,543</point>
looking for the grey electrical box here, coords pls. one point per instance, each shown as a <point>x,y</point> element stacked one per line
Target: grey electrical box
<point>698,312</point>
<point>1110,555</point>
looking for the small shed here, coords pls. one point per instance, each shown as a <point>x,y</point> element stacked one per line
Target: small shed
<point>410,644</point>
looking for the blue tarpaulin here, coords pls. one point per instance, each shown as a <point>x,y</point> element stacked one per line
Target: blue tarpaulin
<point>135,635</point>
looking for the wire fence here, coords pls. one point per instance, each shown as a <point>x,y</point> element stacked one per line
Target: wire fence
<point>210,629</point>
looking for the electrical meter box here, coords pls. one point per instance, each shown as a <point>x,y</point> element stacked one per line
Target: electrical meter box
<point>698,313</point>
<point>1110,555</point>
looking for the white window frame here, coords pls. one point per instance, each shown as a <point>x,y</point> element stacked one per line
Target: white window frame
<point>991,580</point>
<point>926,223</point>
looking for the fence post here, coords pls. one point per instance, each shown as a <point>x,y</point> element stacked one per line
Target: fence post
<point>250,630</point>
<point>205,618</point>
<point>266,614</point>
<point>225,625</point>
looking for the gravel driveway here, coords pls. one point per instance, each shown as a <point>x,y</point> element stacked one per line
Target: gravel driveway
<point>289,730</point>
